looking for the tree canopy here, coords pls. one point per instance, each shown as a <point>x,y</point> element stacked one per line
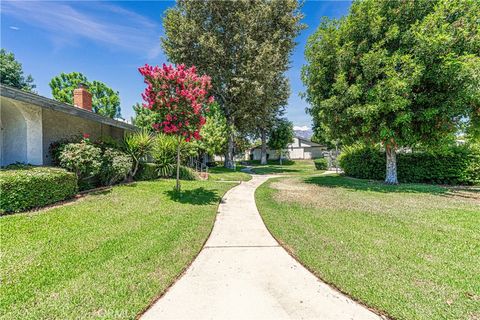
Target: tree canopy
<point>239,44</point>
<point>11,72</point>
<point>396,73</point>
<point>281,135</point>
<point>105,101</point>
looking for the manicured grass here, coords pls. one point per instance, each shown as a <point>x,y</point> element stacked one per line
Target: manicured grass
<point>411,251</point>
<point>288,167</point>
<point>106,255</point>
<point>224,174</point>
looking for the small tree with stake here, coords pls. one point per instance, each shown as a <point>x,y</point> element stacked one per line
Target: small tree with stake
<point>280,136</point>
<point>181,98</point>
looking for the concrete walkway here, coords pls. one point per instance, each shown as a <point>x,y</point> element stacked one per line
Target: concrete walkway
<point>243,273</point>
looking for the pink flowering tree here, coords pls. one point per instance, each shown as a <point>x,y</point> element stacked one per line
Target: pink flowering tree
<point>180,98</point>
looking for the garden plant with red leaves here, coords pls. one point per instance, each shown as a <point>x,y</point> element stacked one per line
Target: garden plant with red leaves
<point>180,97</point>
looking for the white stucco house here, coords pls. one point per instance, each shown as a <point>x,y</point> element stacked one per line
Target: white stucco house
<point>299,149</point>
<point>30,123</point>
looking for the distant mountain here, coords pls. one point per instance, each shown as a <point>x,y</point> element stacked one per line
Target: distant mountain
<point>303,132</point>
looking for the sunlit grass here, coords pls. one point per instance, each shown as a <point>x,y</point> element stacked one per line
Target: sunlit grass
<point>106,255</point>
<point>411,251</point>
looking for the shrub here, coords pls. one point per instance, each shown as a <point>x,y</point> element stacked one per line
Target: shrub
<point>187,174</point>
<point>147,171</point>
<point>116,165</point>
<point>84,159</point>
<point>56,147</point>
<point>321,164</point>
<point>25,187</point>
<point>138,145</point>
<point>164,154</point>
<point>452,165</point>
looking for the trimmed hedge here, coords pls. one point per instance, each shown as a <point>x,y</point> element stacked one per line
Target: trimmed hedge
<point>455,165</point>
<point>321,164</point>
<point>26,187</point>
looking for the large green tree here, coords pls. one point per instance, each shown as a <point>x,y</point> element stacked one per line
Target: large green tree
<point>214,132</point>
<point>11,72</point>
<point>105,101</point>
<point>396,73</point>
<point>228,41</point>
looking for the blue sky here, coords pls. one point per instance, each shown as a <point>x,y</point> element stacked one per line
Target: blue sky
<point>109,40</point>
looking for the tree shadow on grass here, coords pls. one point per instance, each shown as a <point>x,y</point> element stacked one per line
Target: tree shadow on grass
<point>197,196</point>
<point>375,186</point>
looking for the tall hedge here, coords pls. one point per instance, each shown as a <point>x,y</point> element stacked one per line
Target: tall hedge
<point>455,165</point>
<point>26,187</point>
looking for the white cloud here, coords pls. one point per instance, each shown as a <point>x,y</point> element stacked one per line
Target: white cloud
<point>14,28</point>
<point>103,23</point>
<point>301,128</point>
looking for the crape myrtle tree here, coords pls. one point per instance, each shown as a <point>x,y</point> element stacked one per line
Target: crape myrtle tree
<point>396,73</point>
<point>105,101</point>
<point>181,99</point>
<point>11,72</point>
<point>225,39</point>
<point>280,136</point>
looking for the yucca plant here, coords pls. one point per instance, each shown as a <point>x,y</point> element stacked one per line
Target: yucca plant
<point>137,144</point>
<point>164,152</point>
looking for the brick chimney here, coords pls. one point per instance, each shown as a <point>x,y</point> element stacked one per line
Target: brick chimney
<point>82,98</point>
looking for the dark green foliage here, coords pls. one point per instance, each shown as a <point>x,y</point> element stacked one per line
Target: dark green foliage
<point>56,147</point>
<point>281,135</point>
<point>395,72</point>
<point>150,171</point>
<point>25,187</point>
<point>105,101</point>
<point>187,174</point>
<point>11,72</point>
<point>147,171</point>
<point>116,166</point>
<point>454,165</point>
<point>321,164</point>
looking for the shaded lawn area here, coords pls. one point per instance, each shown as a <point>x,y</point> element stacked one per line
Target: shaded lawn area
<point>107,255</point>
<point>411,251</point>
<point>288,167</point>
<point>220,173</point>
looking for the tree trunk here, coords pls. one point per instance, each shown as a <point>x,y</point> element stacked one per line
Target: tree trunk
<point>228,163</point>
<point>281,156</point>
<point>391,174</point>
<point>178,167</point>
<point>263,159</point>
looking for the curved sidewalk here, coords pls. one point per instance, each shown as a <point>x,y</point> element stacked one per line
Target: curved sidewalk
<point>243,273</point>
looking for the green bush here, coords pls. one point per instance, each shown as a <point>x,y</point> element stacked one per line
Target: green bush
<point>164,154</point>
<point>453,165</point>
<point>25,187</point>
<point>116,166</point>
<point>187,174</point>
<point>321,164</point>
<point>147,171</point>
<point>84,159</point>
<point>56,147</point>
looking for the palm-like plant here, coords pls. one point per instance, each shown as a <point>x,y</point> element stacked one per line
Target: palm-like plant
<point>138,145</point>
<point>164,153</point>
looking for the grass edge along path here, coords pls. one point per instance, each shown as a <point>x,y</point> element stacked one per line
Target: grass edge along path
<point>108,255</point>
<point>386,260</point>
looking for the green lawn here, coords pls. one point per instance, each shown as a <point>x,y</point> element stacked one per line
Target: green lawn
<point>106,255</point>
<point>288,167</point>
<point>224,174</point>
<point>411,251</point>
